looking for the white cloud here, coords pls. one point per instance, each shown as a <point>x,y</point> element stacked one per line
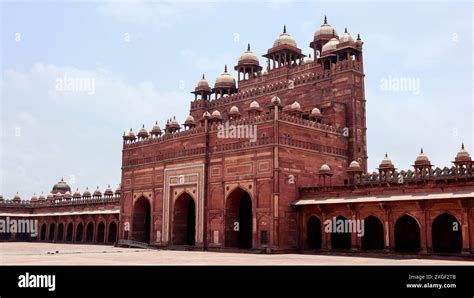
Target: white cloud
<point>160,14</point>
<point>72,133</point>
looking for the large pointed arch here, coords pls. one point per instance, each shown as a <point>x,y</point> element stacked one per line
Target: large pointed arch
<point>184,220</point>
<point>238,219</point>
<point>141,227</point>
<point>407,234</point>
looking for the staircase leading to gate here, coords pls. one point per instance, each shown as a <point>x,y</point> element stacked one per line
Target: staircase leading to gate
<point>131,243</point>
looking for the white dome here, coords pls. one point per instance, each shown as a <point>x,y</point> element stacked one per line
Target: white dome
<point>295,106</point>
<point>463,154</point>
<point>216,113</point>
<point>276,100</point>
<point>248,57</point>
<point>386,161</point>
<point>234,109</point>
<point>315,112</point>
<point>325,29</point>
<point>203,82</point>
<point>354,165</point>
<point>284,39</point>
<point>346,37</point>
<point>254,105</point>
<point>325,167</point>
<point>225,78</point>
<point>331,45</point>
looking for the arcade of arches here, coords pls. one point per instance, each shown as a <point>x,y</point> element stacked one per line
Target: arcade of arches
<point>73,229</point>
<point>407,233</point>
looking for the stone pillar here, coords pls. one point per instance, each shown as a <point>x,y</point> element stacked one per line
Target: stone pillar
<point>466,228</point>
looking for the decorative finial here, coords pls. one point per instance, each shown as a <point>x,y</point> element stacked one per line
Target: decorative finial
<point>156,122</point>
<point>109,186</point>
<point>62,179</point>
<point>203,77</point>
<point>248,47</point>
<point>284,28</point>
<point>325,19</point>
<point>143,125</point>
<point>130,129</point>
<point>309,55</point>
<point>333,31</point>
<point>225,68</point>
<point>358,36</point>
<point>421,152</point>
<point>386,155</point>
<point>462,146</point>
<point>345,30</point>
<point>174,117</point>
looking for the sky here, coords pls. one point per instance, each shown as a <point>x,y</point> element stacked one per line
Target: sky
<point>138,61</point>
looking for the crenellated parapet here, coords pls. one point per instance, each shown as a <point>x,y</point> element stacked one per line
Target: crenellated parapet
<point>421,174</point>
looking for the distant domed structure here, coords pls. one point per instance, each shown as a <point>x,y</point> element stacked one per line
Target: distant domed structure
<point>61,187</point>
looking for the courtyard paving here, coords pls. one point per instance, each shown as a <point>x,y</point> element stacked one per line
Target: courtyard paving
<point>17,253</point>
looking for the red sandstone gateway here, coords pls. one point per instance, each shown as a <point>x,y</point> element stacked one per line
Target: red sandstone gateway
<point>307,165</point>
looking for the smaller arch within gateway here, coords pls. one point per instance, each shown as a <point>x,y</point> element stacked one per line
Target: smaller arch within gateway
<point>184,220</point>
<point>141,226</point>
<point>238,219</point>
<point>314,234</point>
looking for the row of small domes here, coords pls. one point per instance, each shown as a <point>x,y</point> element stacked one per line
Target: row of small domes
<point>234,110</point>
<point>67,195</point>
<point>250,58</point>
<point>386,163</point>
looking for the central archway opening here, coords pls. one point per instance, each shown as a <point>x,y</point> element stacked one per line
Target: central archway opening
<point>373,234</point>
<point>184,220</point>
<point>340,238</point>
<point>407,235</point>
<point>141,220</point>
<point>446,234</point>
<point>238,220</point>
<point>314,236</point>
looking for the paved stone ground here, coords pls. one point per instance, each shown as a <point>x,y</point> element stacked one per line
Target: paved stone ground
<point>12,253</point>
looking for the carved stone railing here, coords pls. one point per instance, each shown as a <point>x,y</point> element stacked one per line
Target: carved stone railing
<point>165,156</point>
<point>166,137</point>
<point>312,146</point>
<point>311,124</point>
<point>397,179</point>
<point>243,144</point>
<point>273,86</point>
<point>59,203</point>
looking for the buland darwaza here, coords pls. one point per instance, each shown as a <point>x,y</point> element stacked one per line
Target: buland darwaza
<point>185,187</point>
